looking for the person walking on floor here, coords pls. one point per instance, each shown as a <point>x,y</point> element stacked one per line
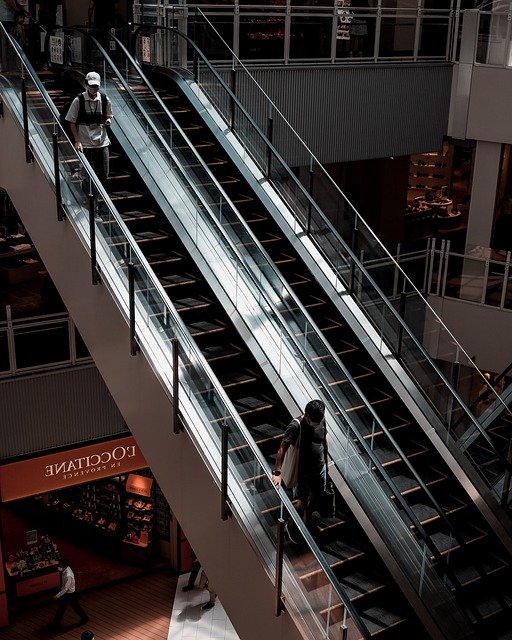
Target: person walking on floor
<point>67,595</point>
<point>194,572</point>
<point>313,456</point>
<point>204,583</point>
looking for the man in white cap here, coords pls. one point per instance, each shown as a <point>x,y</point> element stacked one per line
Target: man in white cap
<point>90,115</point>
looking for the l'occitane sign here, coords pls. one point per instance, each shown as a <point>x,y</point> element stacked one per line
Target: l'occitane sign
<point>59,470</point>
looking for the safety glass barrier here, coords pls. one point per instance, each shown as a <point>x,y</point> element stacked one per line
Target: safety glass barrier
<point>5,360</point>
<point>147,296</point>
<point>300,32</point>
<point>157,323</point>
<point>116,247</point>
<point>330,370</point>
<point>494,43</point>
<point>39,343</point>
<point>364,249</point>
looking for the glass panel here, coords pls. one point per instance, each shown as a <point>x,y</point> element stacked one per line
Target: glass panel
<point>397,34</point>
<point>310,37</point>
<point>81,349</point>
<point>494,45</point>
<point>261,37</point>
<point>4,352</point>
<point>434,36</point>
<point>211,41</point>
<point>40,345</point>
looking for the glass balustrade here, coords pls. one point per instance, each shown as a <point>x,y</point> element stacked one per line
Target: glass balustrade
<point>403,324</point>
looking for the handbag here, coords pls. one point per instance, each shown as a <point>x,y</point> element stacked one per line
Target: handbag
<point>326,506</point>
<point>290,465</point>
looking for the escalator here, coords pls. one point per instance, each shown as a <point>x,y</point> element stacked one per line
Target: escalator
<point>358,567</point>
<point>479,559</point>
<point>193,299</point>
<point>441,506</point>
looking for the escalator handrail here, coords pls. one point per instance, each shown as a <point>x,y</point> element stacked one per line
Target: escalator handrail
<point>306,357</point>
<point>233,414</point>
<point>360,266</point>
<point>369,452</point>
<point>426,539</point>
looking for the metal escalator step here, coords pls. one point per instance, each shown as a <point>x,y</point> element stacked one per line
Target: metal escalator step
<point>265,433</point>
<point>125,195</point>
<point>405,485</point>
<point>378,619</point>
<point>176,280</point>
<point>250,404</point>
<point>220,352</point>
<point>162,257</point>
<point>235,378</point>
<point>188,304</point>
<point>339,552</point>
<point>444,543</point>
<point>149,236</point>
<point>131,216</point>
<point>204,327</point>
<point>424,513</point>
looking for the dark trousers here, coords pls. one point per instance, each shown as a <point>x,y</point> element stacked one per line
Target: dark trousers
<point>196,567</point>
<point>72,600</point>
<point>99,160</point>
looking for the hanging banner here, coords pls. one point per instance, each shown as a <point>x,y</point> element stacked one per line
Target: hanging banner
<point>68,468</point>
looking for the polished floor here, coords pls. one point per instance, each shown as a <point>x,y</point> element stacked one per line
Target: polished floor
<point>137,609</point>
<point>148,607</point>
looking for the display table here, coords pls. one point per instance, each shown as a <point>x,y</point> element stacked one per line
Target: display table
<point>33,581</point>
<point>438,206</point>
<point>140,554</point>
<point>19,261</point>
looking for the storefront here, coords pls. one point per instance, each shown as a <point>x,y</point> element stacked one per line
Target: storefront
<point>96,502</point>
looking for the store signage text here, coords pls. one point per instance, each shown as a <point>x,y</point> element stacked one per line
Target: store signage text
<point>67,468</point>
<point>88,465</point>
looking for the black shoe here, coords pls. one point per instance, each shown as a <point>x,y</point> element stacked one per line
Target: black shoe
<point>53,627</point>
<point>187,587</point>
<point>83,621</point>
<point>208,605</point>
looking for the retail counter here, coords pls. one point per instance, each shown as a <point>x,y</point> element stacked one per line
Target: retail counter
<point>33,581</point>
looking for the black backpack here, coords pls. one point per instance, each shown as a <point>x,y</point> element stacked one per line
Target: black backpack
<point>83,116</point>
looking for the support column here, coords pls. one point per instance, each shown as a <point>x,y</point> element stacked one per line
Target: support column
<point>483,194</point>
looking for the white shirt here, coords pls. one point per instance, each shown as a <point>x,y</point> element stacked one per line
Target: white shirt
<point>91,136</point>
<point>68,582</point>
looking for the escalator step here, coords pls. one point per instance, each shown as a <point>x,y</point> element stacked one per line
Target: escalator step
<point>132,216</point>
<point>235,378</point>
<point>378,619</point>
<point>204,327</point>
<point>162,257</point>
<point>125,195</point>
<point>250,404</point>
<point>220,352</point>
<point>188,304</point>
<point>177,280</point>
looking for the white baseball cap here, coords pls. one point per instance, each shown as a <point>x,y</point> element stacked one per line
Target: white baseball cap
<point>93,79</point>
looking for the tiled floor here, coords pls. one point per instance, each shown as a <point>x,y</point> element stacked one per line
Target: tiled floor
<point>189,621</point>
